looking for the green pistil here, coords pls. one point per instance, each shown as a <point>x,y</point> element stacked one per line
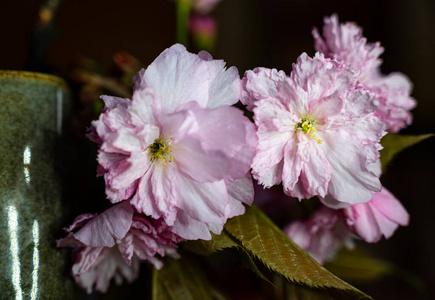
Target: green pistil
<point>160,150</point>
<point>307,126</point>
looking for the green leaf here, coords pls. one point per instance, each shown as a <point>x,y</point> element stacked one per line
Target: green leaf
<point>394,143</point>
<point>358,266</point>
<point>181,279</point>
<point>250,264</point>
<point>217,243</point>
<point>263,239</point>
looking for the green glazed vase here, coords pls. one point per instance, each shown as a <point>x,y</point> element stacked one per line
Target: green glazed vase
<point>32,110</point>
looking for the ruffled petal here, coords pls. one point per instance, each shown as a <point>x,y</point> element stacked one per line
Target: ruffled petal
<point>180,124</point>
<point>155,196</point>
<point>102,229</point>
<point>189,228</point>
<point>292,170</point>
<point>108,265</point>
<point>317,170</point>
<point>351,181</point>
<point>242,189</point>
<point>200,164</point>
<point>275,130</point>
<point>227,131</point>
<point>262,83</point>
<point>111,102</point>
<point>381,216</point>
<point>345,43</point>
<point>394,99</point>
<point>320,77</point>
<point>224,84</point>
<point>86,259</point>
<point>322,235</point>
<point>203,201</point>
<point>390,207</point>
<point>176,77</point>
<point>144,106</point>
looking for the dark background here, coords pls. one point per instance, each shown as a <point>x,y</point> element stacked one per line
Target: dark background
<point>270,33</point>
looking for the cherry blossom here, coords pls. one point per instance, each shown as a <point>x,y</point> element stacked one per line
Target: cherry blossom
<point>110,246</point>
<point>318,133</point>
<point>346,43</point>
<point>322,235</point>
<point>178,150</point>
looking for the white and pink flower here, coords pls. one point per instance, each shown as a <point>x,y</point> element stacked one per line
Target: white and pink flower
<point>178,150</point>
<point>318,133</point>
<point>345,43</point>
<point>110,246</point>
<point>322,235</point>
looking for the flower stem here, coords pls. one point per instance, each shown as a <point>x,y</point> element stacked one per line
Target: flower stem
<point>183,11</point>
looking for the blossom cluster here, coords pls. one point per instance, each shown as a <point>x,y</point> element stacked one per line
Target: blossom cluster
<point>328,229</point>
<point>178,154</point>
<point>176,157</point>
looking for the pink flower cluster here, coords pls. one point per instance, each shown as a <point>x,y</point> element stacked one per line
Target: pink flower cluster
<point>111,245</point>
<point>319,133</point>
<point>327,230</point>
<point>317,130</point>
<point>176,157</point>
<point>345,43</point>
<point>178,151</point>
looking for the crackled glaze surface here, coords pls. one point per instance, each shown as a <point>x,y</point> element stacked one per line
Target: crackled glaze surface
<point>32,110</point>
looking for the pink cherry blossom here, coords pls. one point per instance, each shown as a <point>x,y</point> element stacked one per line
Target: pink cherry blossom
<point>317,130</point>
<point>346,43</point>
<point>379,217</point>
<point>322,235</point>
<point>178,150</point>
<point>110,246</point>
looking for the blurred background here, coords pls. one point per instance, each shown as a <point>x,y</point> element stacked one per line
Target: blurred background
<point>251,33</point>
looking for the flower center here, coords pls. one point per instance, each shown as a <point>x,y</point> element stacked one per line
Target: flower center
<point>307,126</point>
<point>161,150</point>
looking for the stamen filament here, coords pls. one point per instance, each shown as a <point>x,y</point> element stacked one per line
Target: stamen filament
<point>307,126</point>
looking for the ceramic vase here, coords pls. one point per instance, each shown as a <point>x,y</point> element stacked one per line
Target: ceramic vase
<point>32,118</point>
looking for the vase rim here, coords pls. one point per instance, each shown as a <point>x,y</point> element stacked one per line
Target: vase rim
<point>33,75</point>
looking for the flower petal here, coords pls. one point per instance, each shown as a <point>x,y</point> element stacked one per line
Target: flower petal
<point>200,164</point>
<point>390,207</point>
<point>176,77</point>
<point>224,84</point>
<point>262,83</point>
<point>190,229</point>
<point>351,181</point>
<point>226,130</point>
<point>101,230</point>
<point>207,202</point>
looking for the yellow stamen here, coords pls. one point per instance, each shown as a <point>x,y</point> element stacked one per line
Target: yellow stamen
<point>160,150</point>
<point>307,126</point>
